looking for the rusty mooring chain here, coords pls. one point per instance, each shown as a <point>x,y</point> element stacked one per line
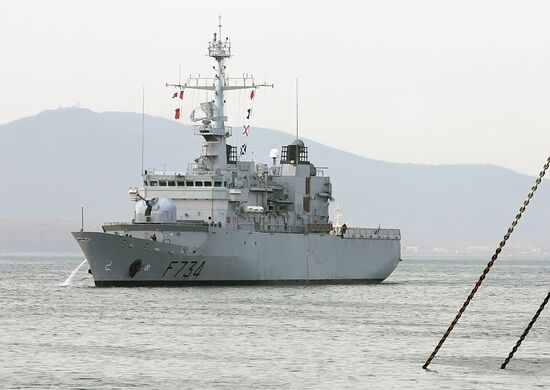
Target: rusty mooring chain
<point>489,265</point>
<point>526,331</point>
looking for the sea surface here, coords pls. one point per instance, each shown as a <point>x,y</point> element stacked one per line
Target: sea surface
<point>301,337</point>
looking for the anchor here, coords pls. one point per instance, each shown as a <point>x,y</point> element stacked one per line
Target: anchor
<point>135,267</point>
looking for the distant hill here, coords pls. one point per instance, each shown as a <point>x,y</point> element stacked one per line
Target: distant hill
<point>54,162</point>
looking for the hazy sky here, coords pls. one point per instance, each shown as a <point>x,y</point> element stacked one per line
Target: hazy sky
<point>428,81</point>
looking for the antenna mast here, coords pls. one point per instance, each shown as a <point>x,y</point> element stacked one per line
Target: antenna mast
<point>296,108</point>
<point>212,127</point>
<point>142,126</point>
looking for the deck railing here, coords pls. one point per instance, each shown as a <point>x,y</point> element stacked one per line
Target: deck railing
<point>348,232</point>
<point>271,228</point>
<point>353,232</point>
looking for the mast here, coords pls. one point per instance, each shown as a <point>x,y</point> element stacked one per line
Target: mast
<point>142,127</point>
<point>213,127</point>
<point>220,51</point>
<point>297,109</point>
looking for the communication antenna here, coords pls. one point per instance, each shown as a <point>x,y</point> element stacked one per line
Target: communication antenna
<point>296,108</point>
<point>142,126</point>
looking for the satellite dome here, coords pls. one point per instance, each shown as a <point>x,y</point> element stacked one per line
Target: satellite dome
<point>274,153</point>
<point>298,142</point>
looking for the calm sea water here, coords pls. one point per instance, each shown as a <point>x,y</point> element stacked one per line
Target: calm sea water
<point>372,336</point>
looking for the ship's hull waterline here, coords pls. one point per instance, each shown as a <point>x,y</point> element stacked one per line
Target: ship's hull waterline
<point>235,257</point>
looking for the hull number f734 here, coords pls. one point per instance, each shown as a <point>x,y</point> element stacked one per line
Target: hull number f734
<point>183,269</point>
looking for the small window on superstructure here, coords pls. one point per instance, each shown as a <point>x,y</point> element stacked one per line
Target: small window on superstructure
<point>225,184</point>
<point>153,183</point>
<point>181,183</point>
<point>217,184</point>
<point>145,182</point>
<point>189,183</point>
<point>171,183</point>
<point>208,184</point>
<point>198,184</point>
<point>162,183</point>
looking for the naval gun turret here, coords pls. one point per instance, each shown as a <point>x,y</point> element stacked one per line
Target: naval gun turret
<point>155,210</point>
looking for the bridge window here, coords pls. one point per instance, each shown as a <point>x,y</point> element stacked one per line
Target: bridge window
<point>162,183</point>
<point>208,184</point>
<point>198,184</point>
<point>217,184</point>
<point>171,183</point>
<point>189,183</point>
<point>181,183</point>
<point>153,183</point>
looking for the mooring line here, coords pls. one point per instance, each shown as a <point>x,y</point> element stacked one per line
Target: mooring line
<point>489,265</point>
<point>526,331</point>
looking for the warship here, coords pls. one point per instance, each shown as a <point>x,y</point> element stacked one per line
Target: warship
<point>230,221</point>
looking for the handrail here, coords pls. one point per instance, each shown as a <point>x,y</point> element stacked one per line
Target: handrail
<point>353,232</point>
<point>349,232</point>
<point>179,223</point>
<point>271,228</point>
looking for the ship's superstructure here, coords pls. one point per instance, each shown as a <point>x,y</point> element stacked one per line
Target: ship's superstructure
<point>224,220</point>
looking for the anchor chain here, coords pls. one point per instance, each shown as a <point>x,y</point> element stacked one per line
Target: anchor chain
<point>489,265</point>
<point>526,331</point>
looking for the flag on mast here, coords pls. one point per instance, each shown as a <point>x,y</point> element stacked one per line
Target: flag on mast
<point>181,94</point>
<point>177,115</point>
<point>175,95</point>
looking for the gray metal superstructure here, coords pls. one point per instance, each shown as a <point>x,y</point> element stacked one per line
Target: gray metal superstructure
<point>227,221</point>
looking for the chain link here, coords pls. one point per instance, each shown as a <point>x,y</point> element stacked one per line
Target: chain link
<point>490,264</point>
<point>526,331</point>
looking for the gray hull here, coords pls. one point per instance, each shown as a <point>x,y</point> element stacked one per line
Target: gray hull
<point>227,220</point>
<point>221,256</point>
